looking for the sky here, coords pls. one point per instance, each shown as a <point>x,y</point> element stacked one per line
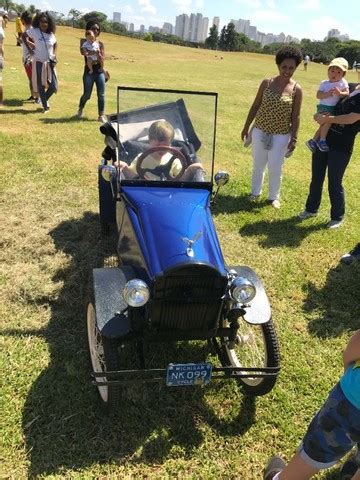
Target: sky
<point>299,18</point>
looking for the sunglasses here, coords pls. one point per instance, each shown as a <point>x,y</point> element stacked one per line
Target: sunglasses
<point>95,29</point>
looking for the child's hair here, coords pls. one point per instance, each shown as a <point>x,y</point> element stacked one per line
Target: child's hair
<point>161,131</point>
<point>89,33</point>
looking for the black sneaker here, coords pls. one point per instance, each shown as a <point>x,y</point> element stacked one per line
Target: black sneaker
<point>352,256</point>
<point>275,465</point>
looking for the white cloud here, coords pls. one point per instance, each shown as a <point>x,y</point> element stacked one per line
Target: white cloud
<point>310,5</point>
<point>249,3</point>
<point>84,10</point>
<point>128,9</point>
<point>46,6</point>
<point>319,27</point>
<point>269,17</point>
<point>147,7</point>
<point>199,4</point>
<point>182,6</point>
<point>271,4</point>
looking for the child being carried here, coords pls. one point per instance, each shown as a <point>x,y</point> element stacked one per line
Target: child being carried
<point>91,49</point>
<point>329,93</point>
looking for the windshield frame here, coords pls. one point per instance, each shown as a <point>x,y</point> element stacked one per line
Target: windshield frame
<point>113,118</point>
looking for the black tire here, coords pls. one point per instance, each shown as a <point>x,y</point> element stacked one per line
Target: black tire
<point>104,357</point>
<point>257,346</point>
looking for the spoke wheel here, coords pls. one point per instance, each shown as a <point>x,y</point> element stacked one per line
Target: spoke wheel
<point>104,357</point>
<point>255,346</point>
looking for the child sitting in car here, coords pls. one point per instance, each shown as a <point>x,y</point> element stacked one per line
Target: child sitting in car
<point>161,134</point>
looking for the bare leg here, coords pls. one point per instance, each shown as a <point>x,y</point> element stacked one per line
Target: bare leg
<point>324,131</point>
<point>89,65</point>
<point>298,469</point>
<point>317,134</point>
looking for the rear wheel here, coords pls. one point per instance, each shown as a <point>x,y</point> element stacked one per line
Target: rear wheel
<point>104,358</point>
<point>255,346</point>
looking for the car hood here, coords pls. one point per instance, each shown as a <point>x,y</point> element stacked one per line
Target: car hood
<point>166,220</point>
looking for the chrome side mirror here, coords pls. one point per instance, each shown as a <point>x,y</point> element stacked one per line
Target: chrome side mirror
<point>221,178</point>
<point>108,172</point>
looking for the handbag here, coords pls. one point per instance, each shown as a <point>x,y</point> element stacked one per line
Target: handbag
<point>107,75</point>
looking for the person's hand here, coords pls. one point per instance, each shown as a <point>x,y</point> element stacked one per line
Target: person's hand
<point>321,118</point>
<point>291,145</point>
<point>244,134</point>
<point>337,91</point>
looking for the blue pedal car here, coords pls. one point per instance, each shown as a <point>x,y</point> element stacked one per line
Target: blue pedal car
<point>171,290</point>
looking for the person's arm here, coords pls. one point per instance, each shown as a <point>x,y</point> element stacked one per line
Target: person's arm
<point>346,119</point>
<point>29,42</point>
<point>102,51</point>
<point>55,48</point>
<point>295,118</point>
<point>320,95</point>
<point>342,92</point>
<point>352,350</point>
<point>254,108</point>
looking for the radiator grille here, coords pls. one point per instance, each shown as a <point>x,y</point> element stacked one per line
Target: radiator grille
<point>189,298</point>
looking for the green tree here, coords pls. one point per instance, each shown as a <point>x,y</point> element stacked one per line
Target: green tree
<point>222,39</point>
<point>98,16</point>
<point>74,15</point>
<point>7,5</point>
<point>351,51</point>
<point>148,37</point>
<point>212,40</point>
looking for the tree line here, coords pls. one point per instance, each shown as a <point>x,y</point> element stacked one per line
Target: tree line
<point>227,40</point>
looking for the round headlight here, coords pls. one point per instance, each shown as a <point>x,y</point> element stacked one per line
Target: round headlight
<point>242,290</point>
<point>136,293</point>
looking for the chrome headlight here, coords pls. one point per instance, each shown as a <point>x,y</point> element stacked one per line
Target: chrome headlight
<point>242,290</point>
<point>136,293</point>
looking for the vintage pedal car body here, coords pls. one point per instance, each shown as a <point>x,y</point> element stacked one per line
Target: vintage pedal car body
<point>171,284</point>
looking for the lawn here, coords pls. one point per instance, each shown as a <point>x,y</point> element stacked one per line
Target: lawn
<point>52,422</point>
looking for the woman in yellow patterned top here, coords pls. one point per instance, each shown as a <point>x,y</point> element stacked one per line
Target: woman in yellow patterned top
<point>276,111</point>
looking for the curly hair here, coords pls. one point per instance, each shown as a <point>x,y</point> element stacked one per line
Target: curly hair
<point>51,24</point>
<point>288,52</point>
<point>26,17</point>
<point>91,23</point>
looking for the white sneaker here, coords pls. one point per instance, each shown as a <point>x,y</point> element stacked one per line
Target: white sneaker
<point>305,214</point>
<point>102,119</point>
<point>275,203</point>
<point>334,224</point>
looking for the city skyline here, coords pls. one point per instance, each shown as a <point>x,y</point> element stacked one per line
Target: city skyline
<point>306,19</point>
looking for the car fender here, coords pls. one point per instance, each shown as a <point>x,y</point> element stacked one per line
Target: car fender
<point>108,285</point>
<point>258,311</point>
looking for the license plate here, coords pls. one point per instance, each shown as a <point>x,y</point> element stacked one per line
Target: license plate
<point>181,374</point>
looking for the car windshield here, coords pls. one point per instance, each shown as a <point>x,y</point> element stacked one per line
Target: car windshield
<point>165,135</point>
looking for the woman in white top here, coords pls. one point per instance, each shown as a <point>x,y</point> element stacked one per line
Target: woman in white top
<point>41,41</point>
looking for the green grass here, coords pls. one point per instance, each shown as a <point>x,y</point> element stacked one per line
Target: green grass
<point>52,423</point>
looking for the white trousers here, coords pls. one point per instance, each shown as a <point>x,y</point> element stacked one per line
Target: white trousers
<point>273,158</point>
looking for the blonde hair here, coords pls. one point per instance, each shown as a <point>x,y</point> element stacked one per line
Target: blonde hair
<point>161,131</point>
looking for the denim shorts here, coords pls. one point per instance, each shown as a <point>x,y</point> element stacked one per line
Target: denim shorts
<point>332,433</point>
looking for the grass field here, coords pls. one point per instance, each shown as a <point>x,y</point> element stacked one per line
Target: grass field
<point>52,423</point>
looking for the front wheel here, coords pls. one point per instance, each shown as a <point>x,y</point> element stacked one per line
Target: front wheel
<point>104,358</point>
<point>255,346</point>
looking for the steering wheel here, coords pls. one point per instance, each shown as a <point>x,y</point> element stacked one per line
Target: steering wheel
<point>161,171</point>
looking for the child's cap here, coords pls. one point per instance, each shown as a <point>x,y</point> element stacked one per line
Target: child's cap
<point>340,62</point>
